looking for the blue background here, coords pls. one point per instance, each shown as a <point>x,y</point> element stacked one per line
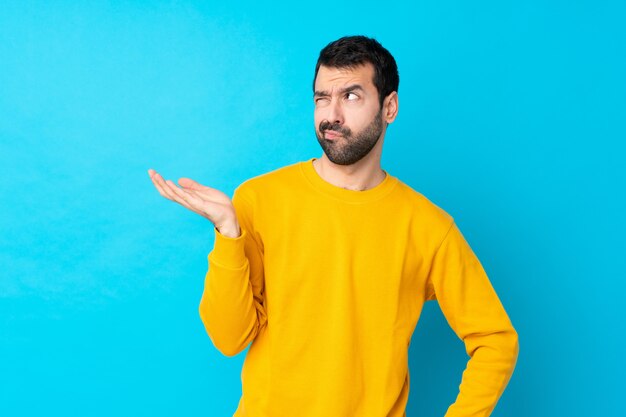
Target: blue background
<point>512,119</point>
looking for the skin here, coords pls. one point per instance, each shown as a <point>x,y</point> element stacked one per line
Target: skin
<point>206,201</point>
<point>347,97</point>
<point>350,125</point>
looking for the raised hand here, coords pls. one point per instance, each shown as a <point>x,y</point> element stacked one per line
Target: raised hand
<point>206,201</point>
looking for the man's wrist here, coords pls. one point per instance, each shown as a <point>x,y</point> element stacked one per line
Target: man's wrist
<point>229,230</point>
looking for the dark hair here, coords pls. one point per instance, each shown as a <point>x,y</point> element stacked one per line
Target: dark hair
<point>353,51</point>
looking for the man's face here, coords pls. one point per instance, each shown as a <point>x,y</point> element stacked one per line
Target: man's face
<point>348,115</point>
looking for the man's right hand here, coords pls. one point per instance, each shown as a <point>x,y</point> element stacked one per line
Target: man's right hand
<point>206,201</point>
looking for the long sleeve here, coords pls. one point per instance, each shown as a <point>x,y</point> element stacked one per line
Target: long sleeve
<point>231,306</point>
<point>473,310</point>
<point>343,275</point>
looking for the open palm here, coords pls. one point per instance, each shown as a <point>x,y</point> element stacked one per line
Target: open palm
<point>206,201</point>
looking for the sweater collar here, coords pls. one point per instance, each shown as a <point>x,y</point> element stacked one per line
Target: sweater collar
<point>350,196</point>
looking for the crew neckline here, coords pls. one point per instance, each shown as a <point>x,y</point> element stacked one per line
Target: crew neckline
<point>351,196</point>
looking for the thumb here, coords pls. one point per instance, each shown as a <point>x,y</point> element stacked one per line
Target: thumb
<point>189,183</point>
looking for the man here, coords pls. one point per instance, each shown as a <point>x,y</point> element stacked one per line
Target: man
<point>325,265</point>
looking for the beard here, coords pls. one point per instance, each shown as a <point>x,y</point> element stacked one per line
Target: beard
<point>355,147</point>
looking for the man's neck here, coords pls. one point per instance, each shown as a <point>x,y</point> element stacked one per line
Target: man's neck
<point>362,175</point>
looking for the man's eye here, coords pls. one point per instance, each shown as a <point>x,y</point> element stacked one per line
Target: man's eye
<point>351,96</point>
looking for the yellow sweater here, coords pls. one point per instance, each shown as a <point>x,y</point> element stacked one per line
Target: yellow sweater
<point>328,285</point>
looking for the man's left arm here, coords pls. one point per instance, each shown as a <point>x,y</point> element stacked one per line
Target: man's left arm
<point>472,308</point>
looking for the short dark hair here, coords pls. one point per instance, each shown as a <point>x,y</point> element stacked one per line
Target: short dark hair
<point>353,51</point>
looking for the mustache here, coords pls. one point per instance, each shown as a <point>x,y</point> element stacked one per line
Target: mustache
<point>336,127</point>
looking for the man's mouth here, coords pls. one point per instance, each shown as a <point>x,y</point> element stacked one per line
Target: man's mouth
<point>331,134</point>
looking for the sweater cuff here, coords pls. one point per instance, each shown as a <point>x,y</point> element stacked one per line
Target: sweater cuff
<point>228,251</point>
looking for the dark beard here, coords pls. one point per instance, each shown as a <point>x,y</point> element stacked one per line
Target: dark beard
<point>356,147</point>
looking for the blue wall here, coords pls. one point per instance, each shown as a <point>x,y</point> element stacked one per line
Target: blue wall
<point>512,119</point>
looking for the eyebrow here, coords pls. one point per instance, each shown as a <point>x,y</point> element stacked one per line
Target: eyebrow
<point>352,87</point>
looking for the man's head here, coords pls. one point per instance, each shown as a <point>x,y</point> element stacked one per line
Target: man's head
<point>355,92</point>
<point>350,52</point>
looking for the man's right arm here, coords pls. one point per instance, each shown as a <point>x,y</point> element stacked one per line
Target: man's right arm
<point>231,306</point>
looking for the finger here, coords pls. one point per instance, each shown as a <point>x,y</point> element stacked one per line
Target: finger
<point>186,200</point>
<point>208,194</point>
<point>170,192</point>
<point>204,196</point>
<point>159,186</point>
<point>167,192</point>
<point>196,203</point>
<point>191,184</point>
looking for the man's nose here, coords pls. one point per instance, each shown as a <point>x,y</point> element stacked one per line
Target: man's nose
<point>335,112</point>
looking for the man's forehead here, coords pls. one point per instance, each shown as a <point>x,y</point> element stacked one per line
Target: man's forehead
<point>331,77</point>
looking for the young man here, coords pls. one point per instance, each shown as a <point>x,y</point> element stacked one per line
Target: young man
<point>324,265</point>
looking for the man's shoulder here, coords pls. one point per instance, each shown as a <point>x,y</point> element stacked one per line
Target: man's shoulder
<point>423,206</point>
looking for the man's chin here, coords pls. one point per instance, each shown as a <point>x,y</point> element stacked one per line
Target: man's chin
<point>338,160</point>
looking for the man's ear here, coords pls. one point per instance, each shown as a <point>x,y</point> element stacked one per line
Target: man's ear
<point>390,107</point>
